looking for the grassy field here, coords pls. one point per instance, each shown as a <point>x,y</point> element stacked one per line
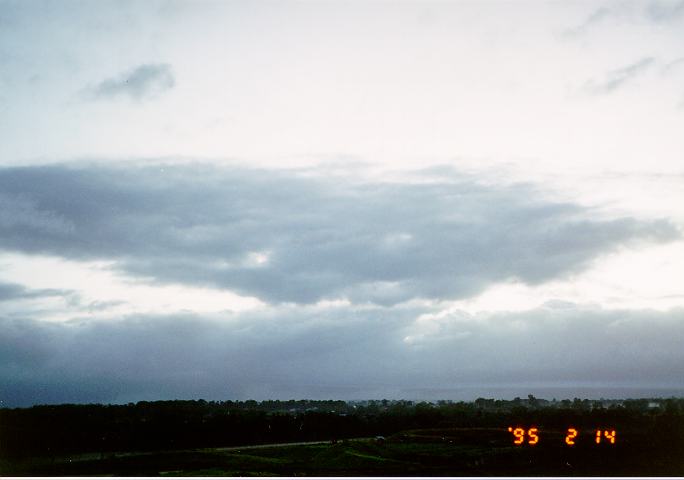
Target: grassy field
<point>433,452</point>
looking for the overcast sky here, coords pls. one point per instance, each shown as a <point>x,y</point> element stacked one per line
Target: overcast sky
<point>340,199</point>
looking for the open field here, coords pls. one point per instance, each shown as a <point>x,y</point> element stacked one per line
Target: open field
<point>332,438</point>
<point>436,452</point>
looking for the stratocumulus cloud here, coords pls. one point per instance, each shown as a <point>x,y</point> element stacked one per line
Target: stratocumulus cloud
<point>284,237</point>
<point>343,352</point>
<point>143,82</point>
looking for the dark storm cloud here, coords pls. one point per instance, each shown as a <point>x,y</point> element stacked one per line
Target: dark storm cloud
<point>319,238</point>
<point>616,79</point>
<point>185,355</point>
<point>343,352</point>
<point>145,81</point>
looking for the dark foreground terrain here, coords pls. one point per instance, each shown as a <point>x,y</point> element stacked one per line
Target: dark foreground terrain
<point>183,438</point>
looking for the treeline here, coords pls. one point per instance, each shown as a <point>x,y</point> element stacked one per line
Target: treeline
<point>54,430</point>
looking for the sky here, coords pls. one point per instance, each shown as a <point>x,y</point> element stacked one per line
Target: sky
<point>340,200</point>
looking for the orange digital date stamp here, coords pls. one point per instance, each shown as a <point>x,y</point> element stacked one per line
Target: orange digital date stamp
<point>531,436</point>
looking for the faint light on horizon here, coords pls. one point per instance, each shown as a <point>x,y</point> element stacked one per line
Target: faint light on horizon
<point>98,283</point>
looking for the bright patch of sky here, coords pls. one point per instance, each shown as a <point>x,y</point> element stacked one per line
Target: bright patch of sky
<point>95,291</point>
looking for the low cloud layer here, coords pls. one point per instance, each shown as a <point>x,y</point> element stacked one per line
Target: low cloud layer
<point>342,352</point>
<point>143,82</point>
<point>285,237</point>
<point>293,238</point>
